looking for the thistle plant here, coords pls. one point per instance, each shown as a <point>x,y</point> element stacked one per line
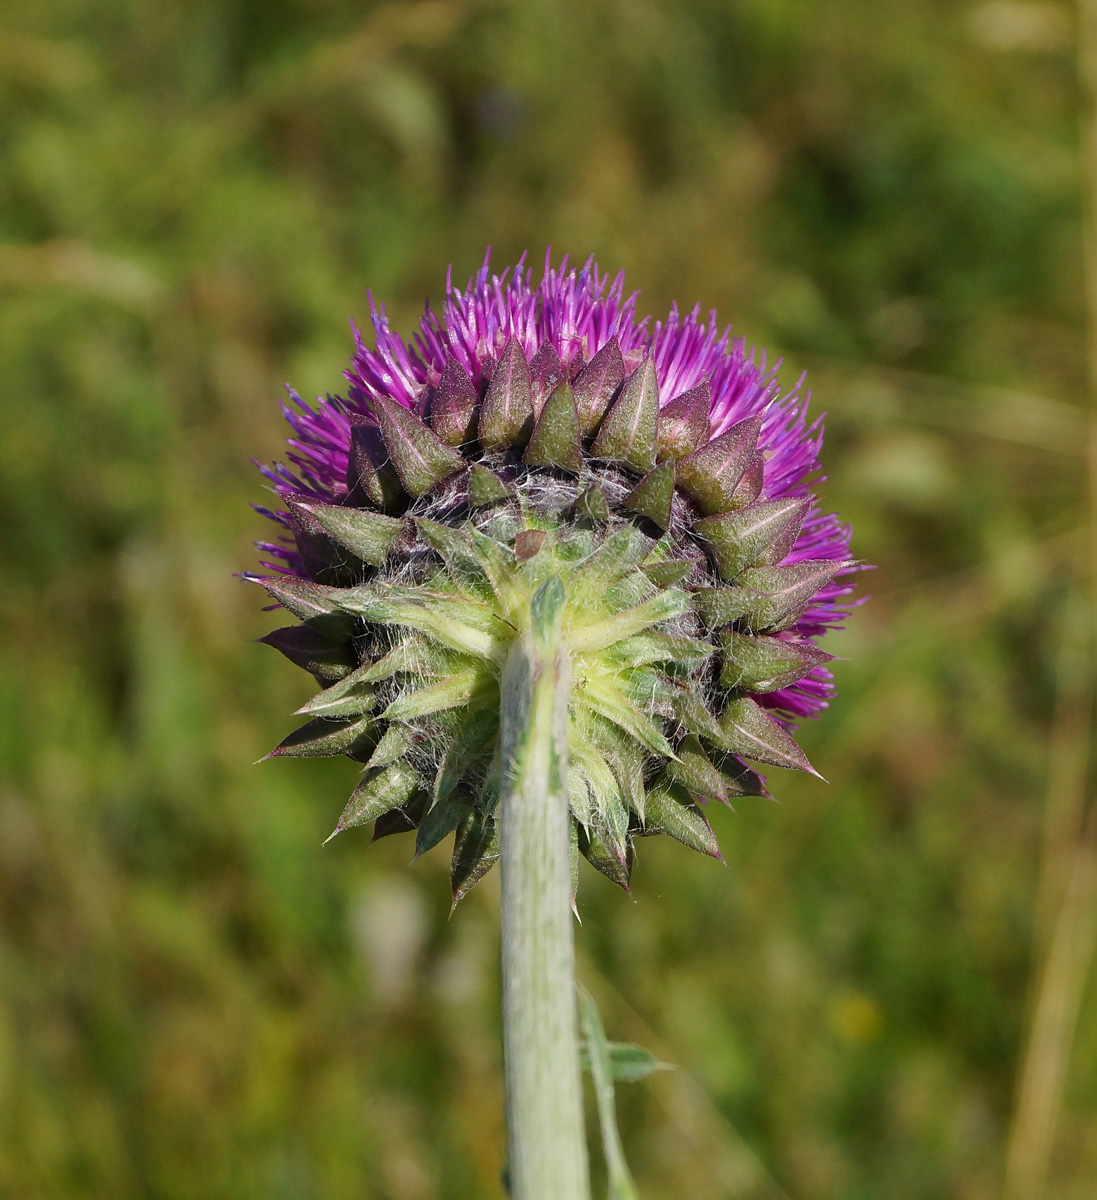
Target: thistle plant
<point>561,579</point>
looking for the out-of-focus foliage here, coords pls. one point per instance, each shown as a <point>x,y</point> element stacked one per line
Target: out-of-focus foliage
<point>196,1001</point>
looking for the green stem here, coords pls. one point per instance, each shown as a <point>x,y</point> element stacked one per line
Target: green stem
<point>547,1157</point>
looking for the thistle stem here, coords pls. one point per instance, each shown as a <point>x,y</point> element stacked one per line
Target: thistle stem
<point>546,1146</point>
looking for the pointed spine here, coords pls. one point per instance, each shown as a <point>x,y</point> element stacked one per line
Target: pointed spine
<point>748,730</point>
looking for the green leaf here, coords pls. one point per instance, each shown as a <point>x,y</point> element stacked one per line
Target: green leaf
<point>749,488</point>
<point>496,562</point>
<point>547,373</point>
<point>394,744</point>
<point>371,478</point>
<point>416,654</point>
<point>596,847</point>
<point>610,812</point>
<point>695,772</point>
<point>653,496</point>
<point>628,770</point>
<point>349,698</point>
<point>605,698</point>
<point>628,1062</point>
<point>786,591</point>
<point>653,691</point>
<point>599,635</point>
<point>692,712</point>
<point>592,504</point>
<point>621,1186</point>
<point>654,646</point>
<point>684,423</point>
<point>722,606</point>
<point>323,560</point>
<point>669,571</point>
<point>580,800</point>
<point>469,746</point>
<point>627,435</point>
<point>485,487</point>
<point>546,608</point>
<point>453,545</point>
<point>475,851</point>
<point>318,606</point>
<point>492,786</point>
<point>631,1063</point>
<point>463,561</point>
<point>453,405</point>
<point>453,692</point>
<point>615,554</point>
<point>462,624</point>
<point>378,793</point>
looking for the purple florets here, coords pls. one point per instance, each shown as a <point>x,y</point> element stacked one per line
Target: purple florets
<point>576,313</point>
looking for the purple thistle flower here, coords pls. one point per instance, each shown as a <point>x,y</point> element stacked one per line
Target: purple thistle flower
<point>547,334</point>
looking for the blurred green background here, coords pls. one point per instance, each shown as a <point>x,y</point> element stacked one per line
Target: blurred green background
<point>196,1001</point>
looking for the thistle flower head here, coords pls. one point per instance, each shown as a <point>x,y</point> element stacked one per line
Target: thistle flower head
<point>530,431</point>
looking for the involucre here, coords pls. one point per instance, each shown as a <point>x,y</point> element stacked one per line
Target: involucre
<point>527,432</point>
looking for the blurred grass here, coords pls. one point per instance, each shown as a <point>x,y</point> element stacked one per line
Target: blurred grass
<point>197,1001</point>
